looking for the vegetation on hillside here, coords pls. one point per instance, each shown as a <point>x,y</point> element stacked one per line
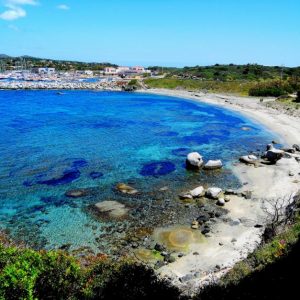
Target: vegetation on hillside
<point>28,62</point>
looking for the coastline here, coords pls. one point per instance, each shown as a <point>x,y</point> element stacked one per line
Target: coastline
<point>267,183</point>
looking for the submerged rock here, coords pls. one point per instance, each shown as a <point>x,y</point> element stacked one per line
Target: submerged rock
<point>77,193</point>
<point>221,202</point>
<point>158,169</point>
<point>126,189</point>
<point>213,165</point>
<point>213,192</point>
<point>112,209</point>
<point>194,161</point>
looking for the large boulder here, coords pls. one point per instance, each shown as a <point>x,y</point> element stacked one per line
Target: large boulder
<point>213,192</point>
<point>272,154</point>
<point>249,159</point>
<point>213,165</point>
<point>194,161</point>
<point>197,192</point>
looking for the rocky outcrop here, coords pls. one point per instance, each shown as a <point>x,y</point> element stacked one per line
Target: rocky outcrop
<point>213,165</point>
<point>77,193</point>
<point>194,161</point>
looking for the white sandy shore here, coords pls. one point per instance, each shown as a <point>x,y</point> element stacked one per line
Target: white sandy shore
<point>231,243</point>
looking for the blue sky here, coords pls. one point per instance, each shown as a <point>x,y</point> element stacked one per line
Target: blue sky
<point>154,32</point>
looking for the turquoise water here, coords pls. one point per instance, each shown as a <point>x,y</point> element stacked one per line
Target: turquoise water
<point>51,143</point>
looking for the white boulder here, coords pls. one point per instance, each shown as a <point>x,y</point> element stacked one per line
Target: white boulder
<point>197,192</point>
<point>249,159</point>
<point>213,192</point>
<point>221,201</point>
<point>213,165</point>
<point>194,160</point>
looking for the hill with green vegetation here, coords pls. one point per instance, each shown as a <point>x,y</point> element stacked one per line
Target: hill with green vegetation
<point>28,62</point>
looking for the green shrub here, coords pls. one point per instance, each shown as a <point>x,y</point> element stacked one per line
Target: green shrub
<point>271,89</point>
<point>60,278</point>
<point>18,276</point>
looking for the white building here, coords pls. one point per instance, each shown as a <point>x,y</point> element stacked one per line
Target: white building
<point>110,71</point>
<point>41,71</point>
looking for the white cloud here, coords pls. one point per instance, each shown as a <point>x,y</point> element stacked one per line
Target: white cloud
<point>13,13</point>
<point>63,7</point>
<point>14,9</point>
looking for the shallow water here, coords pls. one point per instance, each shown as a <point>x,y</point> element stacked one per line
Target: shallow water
<point>51,143</point>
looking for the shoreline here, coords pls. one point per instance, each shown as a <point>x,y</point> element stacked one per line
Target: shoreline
<point>266,182</point>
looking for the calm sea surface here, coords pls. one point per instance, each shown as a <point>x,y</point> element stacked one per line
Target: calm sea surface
<point>51,143</point>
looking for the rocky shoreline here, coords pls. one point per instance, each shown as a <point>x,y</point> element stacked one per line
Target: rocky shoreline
<point>264,179</point>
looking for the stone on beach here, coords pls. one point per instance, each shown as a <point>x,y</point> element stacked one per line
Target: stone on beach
<point>194,161</point>
<point>213,192</point>
<point>221,202</point>
<point>272,154</point>
<point>249,159</point>
<point>213,165</point>
<point>112,209</point>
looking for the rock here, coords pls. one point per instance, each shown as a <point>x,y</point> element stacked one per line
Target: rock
<point>159,247</point>
<point>221,202</point>
<point>296,147</point>
<point>195,225</point>
<point>170,259</point>
<point>230,192</point>
<point>203,218</point>
<point>197,192</point>
<point>194,161</point>
<point>112,209</point>
<point>221,244</point>
<point>205,230</point>
<point>213,165</point>
<point>126,189</point>
<point>213,192</point>
<point>291,174</point>
<point>196,253</point>
<point>180,254</point>
<point>249,159</point>
<point>289,150</point>
<point>247,195</point>
<point>297,159</point>
<point>233,240</point>
<point>186,278</point>
<point>227,198</point>
<point>163,189</point>
<point>258,226</point>
<point>185,196</point>
<point>272,154</point>
<point>77,193</point>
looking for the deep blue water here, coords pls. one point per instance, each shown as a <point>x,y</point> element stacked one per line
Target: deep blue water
<point>52,143</point>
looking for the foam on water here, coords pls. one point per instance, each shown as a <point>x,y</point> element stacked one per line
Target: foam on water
<point>52,143</point>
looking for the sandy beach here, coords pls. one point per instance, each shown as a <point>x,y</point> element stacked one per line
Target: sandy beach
<point>235,236</point>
